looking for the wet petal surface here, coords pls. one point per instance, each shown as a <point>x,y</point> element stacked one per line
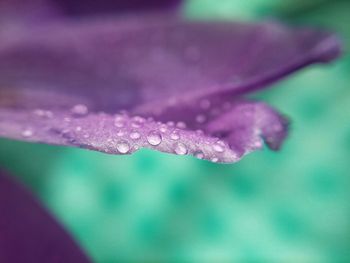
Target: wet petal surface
<point>64,83</point>
<point>223,137</point>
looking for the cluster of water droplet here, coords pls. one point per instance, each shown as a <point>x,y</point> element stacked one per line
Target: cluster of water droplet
<point>126,134</point>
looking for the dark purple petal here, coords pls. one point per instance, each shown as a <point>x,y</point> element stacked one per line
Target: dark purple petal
<point>28,233</point>
<point>98,7</point>
<point>25,10</point>
<point>153,66</point>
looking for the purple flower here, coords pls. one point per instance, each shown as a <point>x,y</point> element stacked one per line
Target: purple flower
<point>73,73</point>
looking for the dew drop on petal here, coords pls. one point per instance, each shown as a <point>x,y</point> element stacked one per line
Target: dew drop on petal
<point>119,124</point>
<point>27,133</point>
<point>181,125</point>
<point>123,147</point>
<point>199,154</point>
<point>120,133</point>
<point>170,123</point>
<point>43,113</point>
<point>163,128</point>
<point>135,135</point>
<point>154,138</point>
<point>79,109</point>
<point>218,148</point>
<point>174,135</point>
<point>135,124</point>
<point>137,121</point>
<point>214,159</point>
<point>258,144</point>
<point>118,118</point>
<point>180,149</point>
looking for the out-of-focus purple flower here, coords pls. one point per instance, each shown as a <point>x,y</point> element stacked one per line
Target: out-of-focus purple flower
<point>73,73</point>
<point>28,233</point>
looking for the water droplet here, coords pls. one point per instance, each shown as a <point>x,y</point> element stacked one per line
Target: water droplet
<point>118,118</point>
<point>154,138</point>
<point>120,133</point>
<point>43,113</point>
<point>27,133</point>
<point>138,120</point>
<point>180,149</point>
<point>170,123</point>
<point>201,118</point>
<point>78,128</point>
<point>135,124</point>
<point>119,124</point>
<point>174,135</point>
<point>123,147</point>
<point>181,125</point>
<point>199,154</point>
<point>214,159</point>
<point>80,109</point>
<point>219,146</point>
<point>135,135</point>
<point>163,128</point>
<point>258,144</point>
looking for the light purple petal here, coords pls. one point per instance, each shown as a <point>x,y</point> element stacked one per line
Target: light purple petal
<point>153,66</point>
<point>128,62</point>
<point>28,233</point>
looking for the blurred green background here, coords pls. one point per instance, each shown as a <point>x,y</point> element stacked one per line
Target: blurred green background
<point>289,206</point>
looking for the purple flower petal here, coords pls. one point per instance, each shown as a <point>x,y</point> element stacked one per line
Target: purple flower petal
<point>153,66</point>
<point>93,7</point>
<point>28,233</point>
<point>14,11</point>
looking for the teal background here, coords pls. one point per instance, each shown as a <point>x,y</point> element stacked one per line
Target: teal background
<point>289,206</point>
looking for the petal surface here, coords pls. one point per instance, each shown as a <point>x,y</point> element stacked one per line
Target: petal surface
<point>150,66</point>
<point>13,11</point>
<point>227,132</point>
<point>93,7</point>
<point>124,63</point>
<point>28,233</point>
